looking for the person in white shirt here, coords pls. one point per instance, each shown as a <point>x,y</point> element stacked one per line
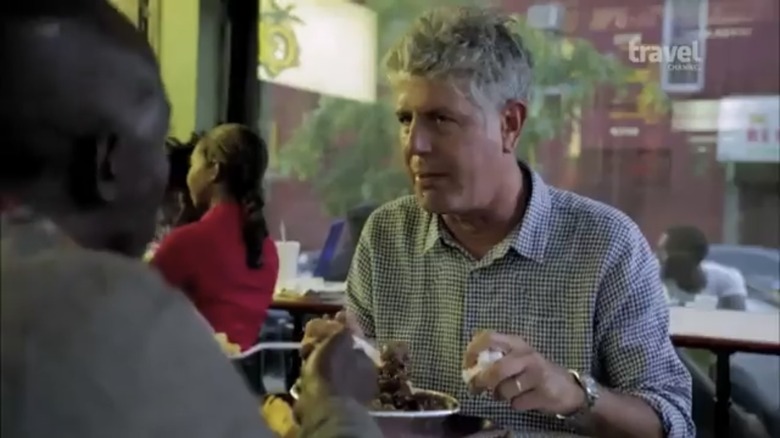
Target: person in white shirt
<point>686,275</point>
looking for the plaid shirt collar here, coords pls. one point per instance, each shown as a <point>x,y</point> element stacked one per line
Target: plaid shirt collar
<point>528,239</point>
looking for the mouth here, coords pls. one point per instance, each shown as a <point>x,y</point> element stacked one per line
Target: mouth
<point>428,180</point>
<point>428,176</point>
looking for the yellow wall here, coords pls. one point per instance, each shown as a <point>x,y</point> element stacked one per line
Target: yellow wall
<point>173,32</point>
<point>178,53</point>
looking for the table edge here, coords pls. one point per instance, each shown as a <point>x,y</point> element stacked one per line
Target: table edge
<point>735,345</point>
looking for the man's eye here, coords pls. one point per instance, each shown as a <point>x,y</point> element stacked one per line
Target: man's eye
<point>441,119</point>
<point>404,119</point>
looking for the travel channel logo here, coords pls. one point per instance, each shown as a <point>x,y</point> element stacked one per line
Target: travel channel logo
<point>675,57</point>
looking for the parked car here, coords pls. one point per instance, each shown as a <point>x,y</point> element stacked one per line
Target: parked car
<point>759,265</point>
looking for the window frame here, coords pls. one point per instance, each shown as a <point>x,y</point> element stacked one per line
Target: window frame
<point>667,41</point>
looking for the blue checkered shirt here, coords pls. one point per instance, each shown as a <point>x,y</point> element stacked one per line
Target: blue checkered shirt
<point>577,280</point>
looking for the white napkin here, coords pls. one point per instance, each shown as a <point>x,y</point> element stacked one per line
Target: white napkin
<point>484,360</point>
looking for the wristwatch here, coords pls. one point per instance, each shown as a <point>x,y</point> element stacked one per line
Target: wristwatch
<point>591,390</point>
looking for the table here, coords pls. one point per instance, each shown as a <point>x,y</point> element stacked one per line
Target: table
<point>299,308</point>
<point>307,305</point>
<point>725,332</point>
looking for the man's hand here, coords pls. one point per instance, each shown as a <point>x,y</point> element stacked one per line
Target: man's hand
<point>336,369</point>
<point>523,377</point>
<point>316,332</point>
<point>319,329</point>
<point>350,321</point>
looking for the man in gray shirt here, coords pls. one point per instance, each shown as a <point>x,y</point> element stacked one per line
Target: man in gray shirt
<point>94,344</point>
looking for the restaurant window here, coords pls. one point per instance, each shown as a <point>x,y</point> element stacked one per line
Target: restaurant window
<point>130,8</point>
<point>309,85</point>
<point>684,42</point>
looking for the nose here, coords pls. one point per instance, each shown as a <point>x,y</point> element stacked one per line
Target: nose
<point>417,139</point>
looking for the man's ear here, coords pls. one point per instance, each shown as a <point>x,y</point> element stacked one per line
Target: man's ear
<point>105,167</point>
<point>512,121</point>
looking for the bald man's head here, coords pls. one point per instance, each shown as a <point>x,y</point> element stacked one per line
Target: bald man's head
<point>83,119</point>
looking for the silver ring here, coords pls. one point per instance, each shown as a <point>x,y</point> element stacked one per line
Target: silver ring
<point>519,386</point>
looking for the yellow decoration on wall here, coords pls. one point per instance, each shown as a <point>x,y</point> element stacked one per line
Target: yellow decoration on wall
<point>279,48</point>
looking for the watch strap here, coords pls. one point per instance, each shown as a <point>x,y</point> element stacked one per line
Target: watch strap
<point>590,389</point>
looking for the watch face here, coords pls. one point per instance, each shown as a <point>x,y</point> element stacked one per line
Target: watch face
<point>591,389</point>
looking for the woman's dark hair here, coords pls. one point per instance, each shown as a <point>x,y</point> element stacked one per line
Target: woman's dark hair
<point>242,156</point>
<point>178,208</point>
<point>686,247</point>
<point>179,161</point>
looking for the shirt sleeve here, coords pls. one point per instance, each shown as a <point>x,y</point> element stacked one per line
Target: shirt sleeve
<point>359,282</point>
<point>113,353</point>
<point>173,257</point>
<point>732,284</point>
<point>632,335</point>
<point>339,418</point>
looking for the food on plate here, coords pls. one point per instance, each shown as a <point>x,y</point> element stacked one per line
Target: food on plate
<point>229,348</point>
<point>395,389</point>
<point>484,360</point>
<point>396,393</point>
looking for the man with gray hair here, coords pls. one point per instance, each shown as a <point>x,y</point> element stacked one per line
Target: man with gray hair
<point>486,256</point>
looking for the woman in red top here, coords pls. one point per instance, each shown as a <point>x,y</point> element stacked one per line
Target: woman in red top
<point>225,262</point>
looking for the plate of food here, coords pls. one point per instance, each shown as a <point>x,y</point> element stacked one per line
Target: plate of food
<point>398,397</point>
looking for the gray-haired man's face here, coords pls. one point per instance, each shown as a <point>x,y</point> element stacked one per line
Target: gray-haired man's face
<point>452,146</point>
